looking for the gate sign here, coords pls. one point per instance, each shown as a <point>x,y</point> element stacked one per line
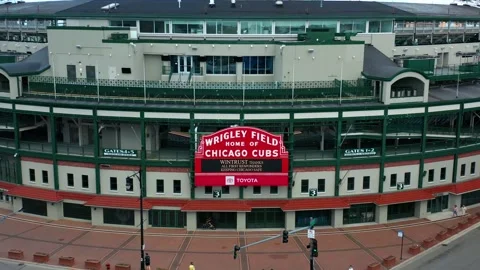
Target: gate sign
<point>241,156</point>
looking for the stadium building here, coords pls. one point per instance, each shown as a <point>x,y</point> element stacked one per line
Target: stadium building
<point>256,113</point>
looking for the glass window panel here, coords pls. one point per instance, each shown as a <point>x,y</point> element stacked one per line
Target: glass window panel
<point>160,27</point>
<point>229,27</point>
<point>129,23</point>
<point>146,27</point>
<point>256,27</point>
<point>387,26</point>
<point>232,65</point>
<point>116,23</point>
<point>211,27</point>
<point>323,24</point>
<point>179,28</point>
<point>282,27</point>
<point>210,61</point>
<point>269,65</point>
<point>217,65</point>
<point>297,27</point>
<point>346,26</point>
<point>359,26</point>
<point>374,27</point>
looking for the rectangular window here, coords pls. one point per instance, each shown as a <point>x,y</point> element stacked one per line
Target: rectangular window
<point>70,180</point>
<point>187,27</point>
<point>353,26</point>
<point>443,173</point>
<point>289,27</point>
<point>225,190</point>
<point>129,23</point>
<point>366,182</point>
<point>85,183</point>
<point>159,27</point>
<point>472,167</point>
<point>71,72</point>
<point>304,186</point>
<point>113,184</point>
<point>462,170</point>
<point>208,190</point>
<point>406,180</point>
<point>222,27</point>
<point>32,175</point>
<point>393,180</point>
<point>431,175</point>
<point>323,24</point>
<point>257,190</point>
<point>321,185</point>
<point>91,75</point>
<point>45,177</point>
<point>256,27</point>
<point>129,184</point>
<point>273,190</point>
<point>258,65</point>
<point>221,65</point>
<point>160,186</point>
<point>380,26</point>
<point>177,187</point>
<point>351,184</point>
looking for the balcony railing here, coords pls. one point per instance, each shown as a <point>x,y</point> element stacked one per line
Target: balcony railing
<point>184,92</point>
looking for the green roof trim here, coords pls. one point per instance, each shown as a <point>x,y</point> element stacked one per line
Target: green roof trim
<point>390,78</point>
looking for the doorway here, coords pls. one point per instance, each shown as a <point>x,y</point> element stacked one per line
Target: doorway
<point>184,63</point>
<point>438,204</point>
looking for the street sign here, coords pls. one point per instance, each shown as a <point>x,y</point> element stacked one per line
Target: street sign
<point>400,234</point>
<point>313,221</point>
<point>313,192</point>
<point>311,234</point>
<point>217,194</point>
<point>400,186</point>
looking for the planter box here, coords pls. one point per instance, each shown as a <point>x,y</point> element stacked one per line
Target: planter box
<point>463,225</point>
<point>66,261</point>
<point>122,266</point>
<point>442,236</point>
<point>390,261</point>
<point>374,266</point>
<point>15,254</point>
<point>41,257</point>
<point>472,219</point>
<point>428,243</point>
<point>453,230</point>
<point>92,264</point>
<point>414,249</point>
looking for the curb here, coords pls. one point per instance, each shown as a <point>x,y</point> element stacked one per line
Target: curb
<point>39,265</point>
<point>445,242</point>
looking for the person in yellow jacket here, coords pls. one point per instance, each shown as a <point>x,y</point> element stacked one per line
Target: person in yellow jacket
<point>191,267</point>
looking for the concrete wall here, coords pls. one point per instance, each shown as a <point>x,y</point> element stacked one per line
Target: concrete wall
<point>168,178</point>
<point>436,167</point>
<point>312,178</point>
<point>77,173</point>
<point>38,167</point>
<point>400,172</point>
<point>468,161</point>
<point>358,175</point>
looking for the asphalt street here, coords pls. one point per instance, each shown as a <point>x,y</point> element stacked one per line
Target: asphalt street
<point>460,254</point>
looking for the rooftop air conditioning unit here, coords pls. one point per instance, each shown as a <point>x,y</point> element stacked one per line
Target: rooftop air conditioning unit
<point>279,3</point>
<point>211,3</point>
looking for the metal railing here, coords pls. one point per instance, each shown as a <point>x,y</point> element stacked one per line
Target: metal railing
<point>184,92</point>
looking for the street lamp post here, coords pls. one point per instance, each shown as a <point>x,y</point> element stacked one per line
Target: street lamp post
<point>138,175</point>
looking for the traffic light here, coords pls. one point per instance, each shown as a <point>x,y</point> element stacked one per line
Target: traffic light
<point>314,248</point>
<point>285,236</point>
<point>236,248</point>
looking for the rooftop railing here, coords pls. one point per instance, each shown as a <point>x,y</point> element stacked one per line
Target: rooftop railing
<point>193,92</point>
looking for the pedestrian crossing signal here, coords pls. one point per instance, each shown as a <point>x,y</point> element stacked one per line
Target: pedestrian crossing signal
<point>314,248</point>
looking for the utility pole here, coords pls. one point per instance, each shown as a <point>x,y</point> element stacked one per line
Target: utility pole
<point>284,235</point>
<point>138,175</point>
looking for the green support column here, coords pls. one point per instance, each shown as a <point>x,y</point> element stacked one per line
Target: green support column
<point>18,159</point>
<point>338,153</point>
<point>53,137</point>
<point>96,149</point>
<point>381,178</point>
<point>421,166</point>
<point>291,141</point>
<point>458,132</point>
<point>241,189</point>
<point>143,153</point>
<point>192,155</point>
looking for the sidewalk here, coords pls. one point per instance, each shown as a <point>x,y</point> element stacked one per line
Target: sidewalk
<point>175,248</point>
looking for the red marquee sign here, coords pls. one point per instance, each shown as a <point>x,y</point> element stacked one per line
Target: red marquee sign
<point>241,156</point>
